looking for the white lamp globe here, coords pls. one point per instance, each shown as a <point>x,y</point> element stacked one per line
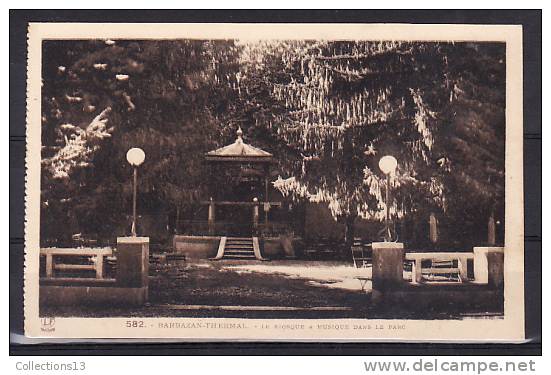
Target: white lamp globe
<point>388,164</point>
<point>135,156</point>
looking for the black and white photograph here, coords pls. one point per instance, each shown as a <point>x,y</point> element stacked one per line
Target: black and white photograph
<point>273,181</point>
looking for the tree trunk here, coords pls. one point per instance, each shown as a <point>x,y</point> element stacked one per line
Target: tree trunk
<point>491,230</point>
<point>348,233</point>
<point>177,222</point>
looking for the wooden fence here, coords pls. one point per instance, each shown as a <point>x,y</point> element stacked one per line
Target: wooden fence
<point>53,262</point>
<point>439,258</point>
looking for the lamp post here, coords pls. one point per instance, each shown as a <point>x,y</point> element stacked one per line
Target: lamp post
<point>388,165</point>
<point>135,157</point>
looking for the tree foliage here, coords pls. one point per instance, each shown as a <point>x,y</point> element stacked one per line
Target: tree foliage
<point>167,97</point>
<point>436,107</point>
<point>329,110</point>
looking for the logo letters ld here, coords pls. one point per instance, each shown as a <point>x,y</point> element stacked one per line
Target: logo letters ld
<point>47,324</point>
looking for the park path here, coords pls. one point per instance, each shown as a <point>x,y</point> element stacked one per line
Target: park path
<point>254,289</point>
<point>246,288</point>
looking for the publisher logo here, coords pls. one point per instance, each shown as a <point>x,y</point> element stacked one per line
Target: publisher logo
<point>47,324</point>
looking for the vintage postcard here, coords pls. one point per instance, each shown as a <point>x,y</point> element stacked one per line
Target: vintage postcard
<point>323,182</point>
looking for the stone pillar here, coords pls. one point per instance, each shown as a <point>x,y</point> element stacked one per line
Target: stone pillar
<point>480,264</point>
<point>488,265</point>
<point>433,231</point>
<point>212,217</point>
<point>133,263</point>
<point>388,265</point>
<point>491,230</point>
<point>495,268</point>
<point>255,215</point>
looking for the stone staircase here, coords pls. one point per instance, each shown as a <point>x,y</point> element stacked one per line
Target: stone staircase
<point>238,248</point>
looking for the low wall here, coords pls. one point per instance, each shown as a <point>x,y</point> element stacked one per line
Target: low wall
<point>196,247</point>
<point>422,296</point>
<point>92,295</point>
<point>205,247</point>
<point>272,247</point>
<point>129,288</point>
<point>282,246</point>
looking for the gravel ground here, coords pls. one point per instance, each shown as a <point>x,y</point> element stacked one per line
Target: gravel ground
<point>295,289</point>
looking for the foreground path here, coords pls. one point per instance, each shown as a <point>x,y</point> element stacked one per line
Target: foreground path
<point>285,288</point>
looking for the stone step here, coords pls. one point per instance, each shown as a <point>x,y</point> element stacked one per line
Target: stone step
<point>239,253</point>
<point>239,248</point>
<point>238,256</point>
